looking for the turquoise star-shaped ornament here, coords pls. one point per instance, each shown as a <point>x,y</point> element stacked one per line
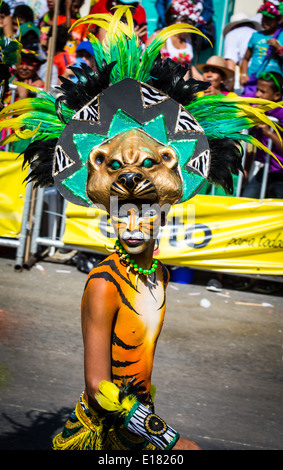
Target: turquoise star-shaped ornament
<point>122,122</point>
<point>191,181</point>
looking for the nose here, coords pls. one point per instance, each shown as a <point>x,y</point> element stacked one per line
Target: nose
<point>130,180</point>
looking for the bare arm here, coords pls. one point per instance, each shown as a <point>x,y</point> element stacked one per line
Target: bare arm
<point>244,66</point>
<point>185,444</point>
<point>99,307</point>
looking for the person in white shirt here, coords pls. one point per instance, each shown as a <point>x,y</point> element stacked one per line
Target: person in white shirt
<point>236,35</point>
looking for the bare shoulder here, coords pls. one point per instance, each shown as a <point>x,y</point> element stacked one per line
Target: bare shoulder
<point>101,288</point>
<point>102,276</point>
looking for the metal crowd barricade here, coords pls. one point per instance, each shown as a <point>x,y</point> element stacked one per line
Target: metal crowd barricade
<point>265,168</point>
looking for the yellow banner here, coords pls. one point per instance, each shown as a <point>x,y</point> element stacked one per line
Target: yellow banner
<point>217,233</point>
<point>12,194</point>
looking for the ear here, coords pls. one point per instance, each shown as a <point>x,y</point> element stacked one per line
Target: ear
<point>97,157</point>
<point>168,156</point>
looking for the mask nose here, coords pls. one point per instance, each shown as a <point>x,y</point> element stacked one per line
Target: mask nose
<point>130,180</point>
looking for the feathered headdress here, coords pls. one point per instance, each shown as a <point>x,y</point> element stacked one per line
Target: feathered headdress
<point>132,89</point>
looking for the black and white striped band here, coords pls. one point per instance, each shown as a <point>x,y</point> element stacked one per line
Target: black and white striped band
<point>150,426</point>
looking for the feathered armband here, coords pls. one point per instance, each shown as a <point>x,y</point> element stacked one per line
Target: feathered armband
<point>137,418</point>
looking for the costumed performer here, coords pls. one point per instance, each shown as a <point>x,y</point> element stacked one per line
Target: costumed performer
<point>133,132</point>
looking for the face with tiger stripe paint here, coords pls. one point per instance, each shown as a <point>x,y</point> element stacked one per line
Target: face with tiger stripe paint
<point>137,226</point>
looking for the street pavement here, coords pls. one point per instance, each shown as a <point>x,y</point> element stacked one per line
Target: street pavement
<point>218,363</point>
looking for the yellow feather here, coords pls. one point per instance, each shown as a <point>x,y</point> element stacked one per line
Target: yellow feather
<point>26,134</point>
<point>266,149</point>
<point>29,87</point>
<point>116,23</point>
<point>108,398</point>
<point>128,403</point>
<point>15,123</point>
<point>254,112</point>
<point>99,19</point>
<point>21,106</point>
<point>110,23</point>
<point>152,392</point>
<point>8,139</point>
<point>177,29</point>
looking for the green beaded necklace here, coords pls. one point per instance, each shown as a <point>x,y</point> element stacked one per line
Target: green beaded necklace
<point>131,262</point>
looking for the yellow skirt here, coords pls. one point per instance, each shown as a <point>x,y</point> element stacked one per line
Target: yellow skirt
<point>85,430</point>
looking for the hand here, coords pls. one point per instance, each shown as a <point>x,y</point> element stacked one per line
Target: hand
<point>185,444</point>
<point>244,79</point>
<point>273,42</point>
<point>22,92</point>
<point>265,129</point>
<point>141,30</point>
<point>211,91</point>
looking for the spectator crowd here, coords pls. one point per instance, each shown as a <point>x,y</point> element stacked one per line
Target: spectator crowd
<point>251,64</point>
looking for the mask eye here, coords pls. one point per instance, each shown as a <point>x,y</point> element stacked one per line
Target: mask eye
<point>99,159</point>
<point>166,156</point>
<point>148,163</point>
<point>115,165</point>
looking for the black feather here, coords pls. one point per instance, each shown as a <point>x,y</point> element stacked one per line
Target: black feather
<point>167,76</point>
<point>39,156</point>
<point>90,83</point>
<point>226,159</point>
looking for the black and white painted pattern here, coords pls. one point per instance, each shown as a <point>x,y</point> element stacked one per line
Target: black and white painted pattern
<point>201,163</point>
<point>151,96</point>
<point>61,161</point>
<point>90,112</point>
<point>186,122</point>
<point>151,427</point>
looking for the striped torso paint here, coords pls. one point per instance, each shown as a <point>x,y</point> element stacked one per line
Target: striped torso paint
<point>138,320</point>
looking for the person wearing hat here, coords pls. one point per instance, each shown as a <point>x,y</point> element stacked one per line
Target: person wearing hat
<point>217,73</point>
<point>84,55</point>
<point>261,54</point>
<point>29,34</point>
<point>236,35</point>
